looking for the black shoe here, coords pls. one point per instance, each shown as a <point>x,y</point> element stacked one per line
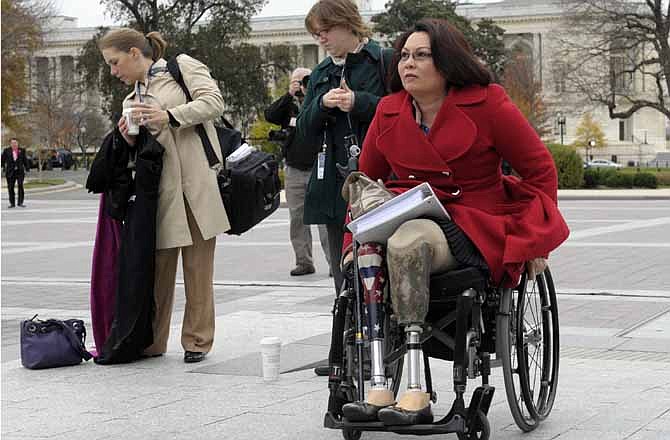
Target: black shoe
<point>191,357</point>
<point>10,206</point>
<point>322,370</point>
<point>392,415</point>
<point>360,411</point>
<point>21,205</point>
<point>302,270</point>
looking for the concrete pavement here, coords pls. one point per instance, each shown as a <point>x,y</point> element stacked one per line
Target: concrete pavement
<point>614,302</point>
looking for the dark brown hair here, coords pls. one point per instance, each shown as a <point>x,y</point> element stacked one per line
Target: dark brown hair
<point>152,45</point>
<point>329,13</point>
<point>452,55</point>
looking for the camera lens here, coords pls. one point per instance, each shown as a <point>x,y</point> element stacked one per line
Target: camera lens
<point>305,81</point>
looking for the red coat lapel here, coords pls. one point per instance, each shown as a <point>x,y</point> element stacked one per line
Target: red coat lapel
<point>452,134</point>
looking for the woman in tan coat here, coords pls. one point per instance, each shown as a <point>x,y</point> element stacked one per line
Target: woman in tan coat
<point>190,210</point>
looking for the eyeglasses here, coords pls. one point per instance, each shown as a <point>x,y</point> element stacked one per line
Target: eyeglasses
<point>319,34</point>
<point>419,56</point>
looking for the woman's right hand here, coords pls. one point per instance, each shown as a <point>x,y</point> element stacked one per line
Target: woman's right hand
<point>347,266</point>
<point>123,128</point>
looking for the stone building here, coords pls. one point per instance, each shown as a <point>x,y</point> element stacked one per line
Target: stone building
<point>530,26</point>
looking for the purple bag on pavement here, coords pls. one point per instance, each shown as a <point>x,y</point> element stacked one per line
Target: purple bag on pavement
<point>52,343</point>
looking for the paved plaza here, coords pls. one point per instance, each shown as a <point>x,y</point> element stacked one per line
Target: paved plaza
<point>614,301</point>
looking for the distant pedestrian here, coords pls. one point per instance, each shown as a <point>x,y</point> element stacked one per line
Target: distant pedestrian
<point>299,161</point>
<point>15,165</point>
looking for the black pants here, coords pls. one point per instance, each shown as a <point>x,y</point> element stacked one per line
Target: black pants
<point>11,181</point>
<point>335,239</point>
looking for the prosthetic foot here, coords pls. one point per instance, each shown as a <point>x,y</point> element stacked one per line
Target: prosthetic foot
<point>367,411</point>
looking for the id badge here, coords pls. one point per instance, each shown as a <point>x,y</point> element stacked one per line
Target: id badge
<point>321,165</point>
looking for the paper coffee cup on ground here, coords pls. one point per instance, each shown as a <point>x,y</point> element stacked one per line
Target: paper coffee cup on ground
<point>270,350</point>
<point>133,126</point>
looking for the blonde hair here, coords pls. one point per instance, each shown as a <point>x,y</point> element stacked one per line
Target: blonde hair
<point>330,13</point>
<point>152,45</point>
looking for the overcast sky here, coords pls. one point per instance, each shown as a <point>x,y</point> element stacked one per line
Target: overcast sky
<point>90,13</point>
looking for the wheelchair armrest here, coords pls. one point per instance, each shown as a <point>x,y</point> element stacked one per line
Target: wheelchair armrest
<point>455,282</point>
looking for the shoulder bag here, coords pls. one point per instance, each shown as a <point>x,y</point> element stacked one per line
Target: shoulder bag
<point>52,343</point>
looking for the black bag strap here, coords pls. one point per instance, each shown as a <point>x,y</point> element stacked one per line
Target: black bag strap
<point>76,343</point>
<point>382,66</point>
<point>214,162</point>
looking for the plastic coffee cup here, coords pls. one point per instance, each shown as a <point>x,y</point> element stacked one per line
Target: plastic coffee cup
<point>133,126</point>
<point>270,350</point>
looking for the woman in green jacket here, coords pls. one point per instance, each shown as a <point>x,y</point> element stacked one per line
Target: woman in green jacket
<point>341,100</point>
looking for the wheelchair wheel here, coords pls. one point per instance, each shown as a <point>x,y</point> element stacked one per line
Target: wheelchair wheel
<point>538,317</point>
<point>527,329</point>
<point>351,434</point>
<point>480,429</point>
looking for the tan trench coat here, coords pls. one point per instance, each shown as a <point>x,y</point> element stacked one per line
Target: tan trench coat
<point>186,173</point>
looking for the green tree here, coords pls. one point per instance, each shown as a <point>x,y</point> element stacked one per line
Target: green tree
<point>21,35</point>
<point>485,37</point>
<point>588,130</point>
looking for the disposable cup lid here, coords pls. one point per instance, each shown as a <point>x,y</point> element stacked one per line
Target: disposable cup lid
<point>272,340</point>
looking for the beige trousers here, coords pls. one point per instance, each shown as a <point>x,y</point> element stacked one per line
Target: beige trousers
<point>197,333</point>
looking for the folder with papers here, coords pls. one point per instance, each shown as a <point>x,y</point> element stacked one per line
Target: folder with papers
<point>380,223</point>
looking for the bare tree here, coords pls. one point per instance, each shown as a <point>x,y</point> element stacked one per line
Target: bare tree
<point>51,113</point>
<point>526,91</point>
<point>22,34</point>
<point>617,53</point>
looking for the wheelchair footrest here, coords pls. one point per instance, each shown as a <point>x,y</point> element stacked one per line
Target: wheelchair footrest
<point>455,423</point>
<point>481,400</point>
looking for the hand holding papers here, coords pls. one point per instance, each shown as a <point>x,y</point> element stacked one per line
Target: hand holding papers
<point>380,223</point>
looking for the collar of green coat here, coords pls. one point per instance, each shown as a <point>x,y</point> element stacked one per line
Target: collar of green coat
<point>372,48</point>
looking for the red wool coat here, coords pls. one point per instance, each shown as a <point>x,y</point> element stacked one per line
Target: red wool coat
<point>509,220</point>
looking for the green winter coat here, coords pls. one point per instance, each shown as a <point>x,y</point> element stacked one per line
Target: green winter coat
<point>316,125</point>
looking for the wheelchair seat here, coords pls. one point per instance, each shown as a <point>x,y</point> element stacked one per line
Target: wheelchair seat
<point>449,284</point>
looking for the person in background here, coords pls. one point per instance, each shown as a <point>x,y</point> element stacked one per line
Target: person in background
<point>190,211</point>
<point>341,99</point>
<point>15,165</point>
<point>299,161</point>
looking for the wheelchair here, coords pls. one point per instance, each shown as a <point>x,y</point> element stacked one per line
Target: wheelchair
<point>475,325</point>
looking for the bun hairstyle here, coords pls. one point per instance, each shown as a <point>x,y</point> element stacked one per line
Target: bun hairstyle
<point>152,45</point>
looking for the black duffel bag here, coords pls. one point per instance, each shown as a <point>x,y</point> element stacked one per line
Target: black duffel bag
<point>250,188</point>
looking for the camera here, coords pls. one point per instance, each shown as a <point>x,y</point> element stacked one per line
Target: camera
<point>351,145</point>
<point>304,81</point>
<point>278,135</point>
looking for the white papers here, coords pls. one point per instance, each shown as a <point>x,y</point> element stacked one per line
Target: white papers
<point>240,153</point>
<point>380,223</point>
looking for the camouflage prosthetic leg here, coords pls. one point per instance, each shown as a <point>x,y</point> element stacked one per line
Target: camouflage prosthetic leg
<point>409,262</point>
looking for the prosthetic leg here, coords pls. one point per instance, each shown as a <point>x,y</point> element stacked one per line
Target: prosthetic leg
<point>373,276</point>
<point>409,262</point>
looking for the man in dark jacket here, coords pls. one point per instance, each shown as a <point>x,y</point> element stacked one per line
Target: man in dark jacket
<point>299,161</point>
<point>15,165</point>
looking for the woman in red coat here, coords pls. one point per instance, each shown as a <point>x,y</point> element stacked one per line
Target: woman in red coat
<point>448,125</point>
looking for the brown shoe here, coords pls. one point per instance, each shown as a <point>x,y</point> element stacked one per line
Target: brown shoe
<point>302,270</point>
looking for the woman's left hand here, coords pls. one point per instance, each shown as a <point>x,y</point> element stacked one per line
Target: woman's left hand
<point>345,97</point>
<point>535,267</point>
<point>151,114</point>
